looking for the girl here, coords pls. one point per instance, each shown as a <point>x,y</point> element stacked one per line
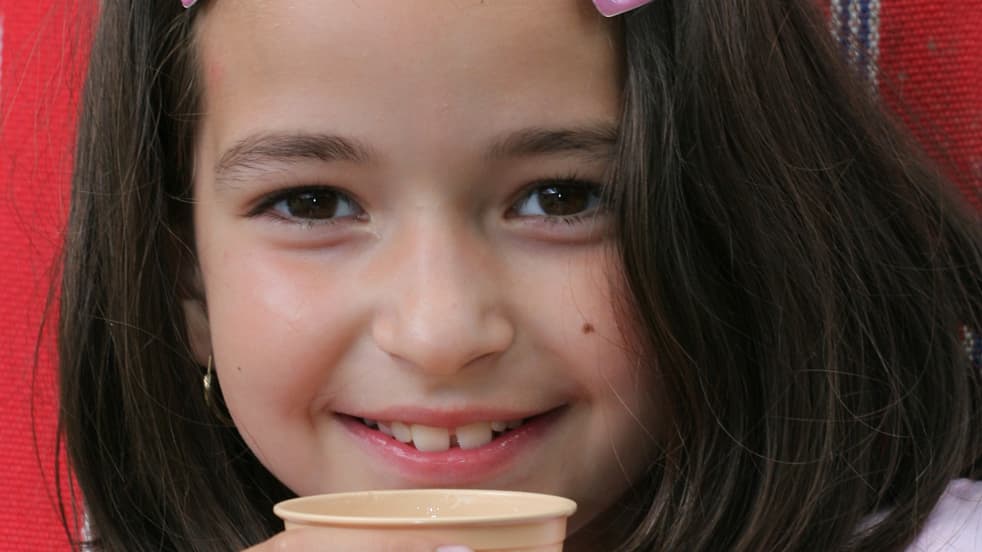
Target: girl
<point>675,265</point>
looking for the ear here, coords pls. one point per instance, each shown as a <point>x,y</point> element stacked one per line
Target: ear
<point>196,315</point>
<point>198,329</point>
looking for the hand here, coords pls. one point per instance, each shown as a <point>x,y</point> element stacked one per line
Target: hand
<point>317,539</point>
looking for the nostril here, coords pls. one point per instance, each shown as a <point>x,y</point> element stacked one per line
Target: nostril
<point>442,345</point>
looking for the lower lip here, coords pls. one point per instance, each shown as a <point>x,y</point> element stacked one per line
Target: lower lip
<point>455,466</point>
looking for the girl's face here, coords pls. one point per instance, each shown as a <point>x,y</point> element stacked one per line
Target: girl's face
<point>397,219</point>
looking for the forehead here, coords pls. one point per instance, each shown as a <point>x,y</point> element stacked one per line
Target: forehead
<point>440,61</point>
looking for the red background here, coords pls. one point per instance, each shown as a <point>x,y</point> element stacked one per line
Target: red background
<point>39,83</point>
<point>930,65</point>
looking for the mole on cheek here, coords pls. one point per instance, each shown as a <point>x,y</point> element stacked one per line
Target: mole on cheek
<point>587,328</point>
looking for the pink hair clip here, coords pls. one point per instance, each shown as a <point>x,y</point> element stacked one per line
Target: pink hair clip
<point>610,8</point>
<point>188,3</point>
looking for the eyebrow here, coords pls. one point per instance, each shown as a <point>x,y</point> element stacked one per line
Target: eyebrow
<point>259,149</point>
<point>252,153</point>
<point>596,139</point>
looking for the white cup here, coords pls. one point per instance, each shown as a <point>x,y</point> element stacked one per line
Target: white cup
<point>486,521</point>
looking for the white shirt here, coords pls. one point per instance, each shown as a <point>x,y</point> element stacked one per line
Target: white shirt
<point>955,525</point>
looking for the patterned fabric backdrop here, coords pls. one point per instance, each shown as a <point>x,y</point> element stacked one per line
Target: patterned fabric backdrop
<point>924,58</point>
<point>39,52</point>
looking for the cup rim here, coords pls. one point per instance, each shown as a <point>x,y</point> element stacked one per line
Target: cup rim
<point>287,509</point>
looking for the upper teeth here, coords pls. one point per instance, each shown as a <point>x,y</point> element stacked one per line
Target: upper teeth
<point>436,439</point>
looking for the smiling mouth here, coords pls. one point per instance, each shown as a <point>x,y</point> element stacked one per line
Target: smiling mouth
<point>438,439</point>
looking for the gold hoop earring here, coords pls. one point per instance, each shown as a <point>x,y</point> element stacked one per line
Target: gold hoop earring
<point>213,403</point>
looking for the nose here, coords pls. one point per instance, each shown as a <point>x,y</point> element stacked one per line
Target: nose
<point>443,308</point>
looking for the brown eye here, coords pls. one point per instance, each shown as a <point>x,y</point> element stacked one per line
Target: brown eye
<point>563,200</point>
<point>315,205</point>
<point>559,200</point>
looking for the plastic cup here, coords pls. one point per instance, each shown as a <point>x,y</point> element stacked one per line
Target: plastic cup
<point>487,521</point>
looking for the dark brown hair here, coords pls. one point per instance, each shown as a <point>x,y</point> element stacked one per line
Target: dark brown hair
<point>797,272</point>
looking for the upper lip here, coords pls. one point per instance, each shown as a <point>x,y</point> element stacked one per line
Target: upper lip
<point>447,418</point>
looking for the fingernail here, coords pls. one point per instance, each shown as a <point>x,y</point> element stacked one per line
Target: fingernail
<point>610,8</point>
<point>455,548</point>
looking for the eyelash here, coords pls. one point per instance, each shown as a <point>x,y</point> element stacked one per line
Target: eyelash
<point>568,181</point>
<point>268,204</point>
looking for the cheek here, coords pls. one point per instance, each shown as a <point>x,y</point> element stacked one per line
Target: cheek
<point>622,380</point>
<point>277,329</point>
<point>586,310</point>
<point>578,308</point>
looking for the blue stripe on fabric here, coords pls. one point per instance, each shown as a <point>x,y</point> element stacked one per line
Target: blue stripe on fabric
<point>844,24</point>
<point>864,34</point>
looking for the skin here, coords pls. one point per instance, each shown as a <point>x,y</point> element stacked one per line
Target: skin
<point>438,284</point>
